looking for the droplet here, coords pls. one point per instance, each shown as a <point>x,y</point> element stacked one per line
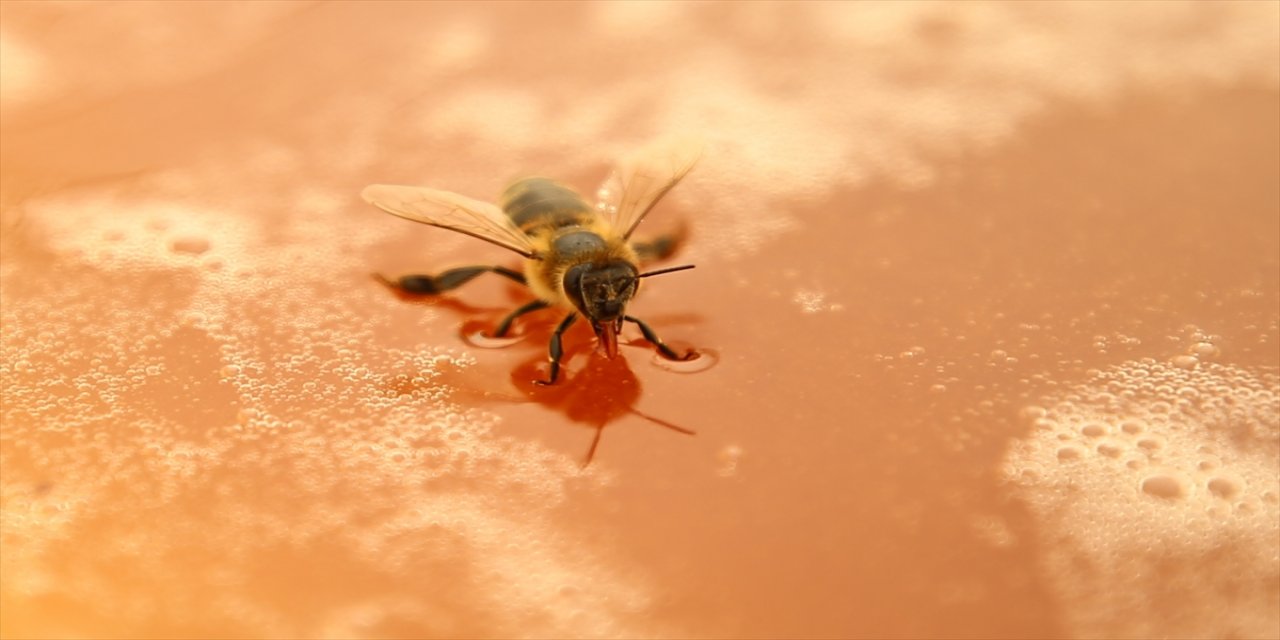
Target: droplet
<point>191,245</point>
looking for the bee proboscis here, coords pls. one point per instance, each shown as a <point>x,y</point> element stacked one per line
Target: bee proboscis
<point>577,258</point>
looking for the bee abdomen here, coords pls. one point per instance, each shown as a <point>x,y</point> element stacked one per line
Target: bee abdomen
<point>539,203</point>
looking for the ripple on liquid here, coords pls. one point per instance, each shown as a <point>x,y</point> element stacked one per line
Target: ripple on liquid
<point>480,337</point>
<point>700,361</point>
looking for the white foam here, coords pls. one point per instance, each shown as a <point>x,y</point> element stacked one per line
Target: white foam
<point>1153,487</point>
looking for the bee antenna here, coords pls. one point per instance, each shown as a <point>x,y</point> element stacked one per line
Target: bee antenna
<point>667,270</point>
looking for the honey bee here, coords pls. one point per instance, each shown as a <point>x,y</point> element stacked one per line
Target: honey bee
<point>578,258</point>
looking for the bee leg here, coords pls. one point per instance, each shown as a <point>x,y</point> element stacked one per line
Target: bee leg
<point>652,337</point>
<point>451,279</point>
<point>556,351</point>
<point>661,247</point>
<point>505,325</point>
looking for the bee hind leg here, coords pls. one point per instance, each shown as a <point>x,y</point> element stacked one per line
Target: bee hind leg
<point>556,350</point>
<point>447,280</point>
<point>667,352</point>
<point>661,247</point>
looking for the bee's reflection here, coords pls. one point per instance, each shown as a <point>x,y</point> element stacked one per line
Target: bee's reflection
<point>599,393</point>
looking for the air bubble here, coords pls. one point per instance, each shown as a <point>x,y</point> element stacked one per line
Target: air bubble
<point>1163,486</point>
<point>1094,430</point>
<point>1069,454</point>
<point>190,245</point>
<point>1110,449</point>
<point>1185,362</point>
<point>193,319</point>
<point>728,459</point>
<point>1033,412</point>
<point>1132,427</point>
<point>1044,424</point>
<point>1149,444</point>
<point>701,361</point>
<point>1204,350</point>
<point>1223,487</point>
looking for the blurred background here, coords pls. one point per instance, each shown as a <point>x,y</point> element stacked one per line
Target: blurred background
<point>988,297</point>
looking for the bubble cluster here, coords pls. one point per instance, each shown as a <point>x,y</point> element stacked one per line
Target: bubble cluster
<point>268,424</point>
<point>813,301</point>
<point>1155,483</point>
<point>784,143</point>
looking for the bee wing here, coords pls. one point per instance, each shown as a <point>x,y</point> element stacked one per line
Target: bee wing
<point>639,182</point>
<point>451,211</point>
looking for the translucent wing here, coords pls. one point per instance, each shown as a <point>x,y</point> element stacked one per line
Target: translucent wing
<point>639,182</point>
<point>451,211</point>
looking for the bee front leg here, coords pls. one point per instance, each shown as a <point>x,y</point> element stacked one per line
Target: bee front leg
<point>556,350</point>
<point>451,279</point>
<point>505,325</point>
<point>667,352</point>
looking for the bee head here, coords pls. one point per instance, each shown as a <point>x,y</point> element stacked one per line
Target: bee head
<point>600,290</point>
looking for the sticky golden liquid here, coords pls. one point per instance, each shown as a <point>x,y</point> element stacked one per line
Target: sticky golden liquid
<point>988,293</point>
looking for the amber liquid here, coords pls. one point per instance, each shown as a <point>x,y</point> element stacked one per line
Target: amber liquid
<point>988,298</point>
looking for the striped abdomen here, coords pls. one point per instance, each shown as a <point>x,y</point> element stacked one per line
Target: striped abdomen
<point>537,205</point>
